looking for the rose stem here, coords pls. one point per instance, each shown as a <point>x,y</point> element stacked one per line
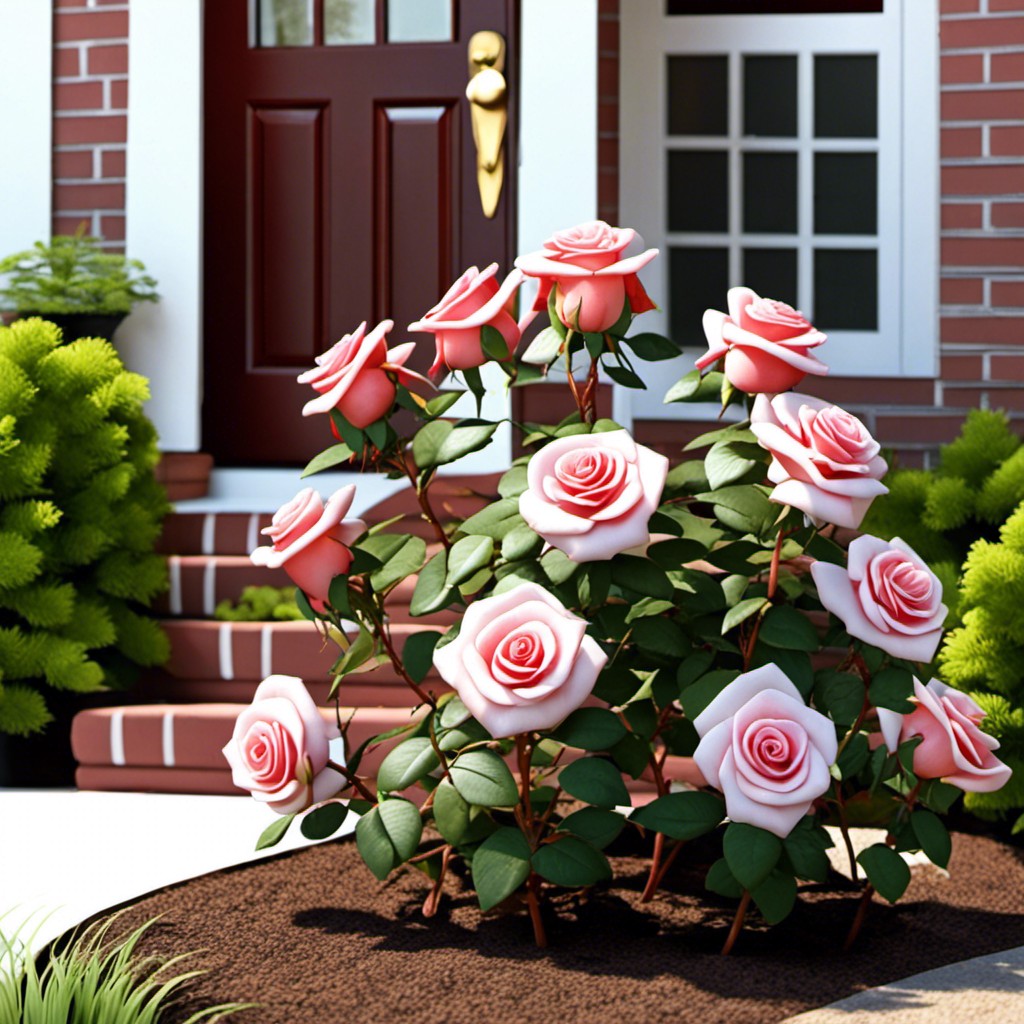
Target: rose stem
<point>389,646</point>
<point>659,837</point>
<point>423,498</point>
<point>667,863</point>
<point>353,780</point>
<point>858,921</point>
<point>737,923</point>
<point>773,583</point>
<point>526,823</point>
<point>844,827</point>
<point>433,900</point>
<point>588,410</point>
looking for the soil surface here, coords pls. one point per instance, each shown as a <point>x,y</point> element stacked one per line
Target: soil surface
<point>313,937</point>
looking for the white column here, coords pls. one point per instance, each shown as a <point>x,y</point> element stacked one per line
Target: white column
<point>26,119</point>
<point>164,211</point>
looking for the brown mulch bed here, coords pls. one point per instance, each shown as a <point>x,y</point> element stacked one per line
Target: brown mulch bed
<point>313,937</point>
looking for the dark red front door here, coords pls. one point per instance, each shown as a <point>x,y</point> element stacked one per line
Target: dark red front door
<point>340,185</point>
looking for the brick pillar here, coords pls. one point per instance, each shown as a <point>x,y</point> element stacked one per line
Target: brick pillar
<point>982,284</point>
<point>90,118</point>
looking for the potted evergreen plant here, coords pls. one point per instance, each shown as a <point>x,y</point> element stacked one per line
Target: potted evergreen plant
<point>72,282</point>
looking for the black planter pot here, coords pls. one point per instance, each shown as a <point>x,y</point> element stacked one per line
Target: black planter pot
<point>84,325</point>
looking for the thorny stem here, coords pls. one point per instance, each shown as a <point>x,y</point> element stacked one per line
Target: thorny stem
<point>389,646</point>
<point>737,923</point>
<point>773,583</point>
<point>353,780</point>
<point>844,827</point>
<point>526,822</point>
<point>588,408</point>
<point>423,498</point>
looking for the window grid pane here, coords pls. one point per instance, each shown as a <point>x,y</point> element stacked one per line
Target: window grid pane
<point>285,23</point>
<point>350,22</point>
<point>697,100</point>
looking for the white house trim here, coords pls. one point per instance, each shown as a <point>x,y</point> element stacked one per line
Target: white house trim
<point>26,119</point>
<point>557,182</point>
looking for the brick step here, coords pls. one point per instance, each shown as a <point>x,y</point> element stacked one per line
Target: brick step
<point>198,583</point>
<point>370,689</point>
<point>201,649</point>
<point>212,533</point>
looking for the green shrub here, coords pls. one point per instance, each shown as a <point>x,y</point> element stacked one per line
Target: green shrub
<point>74,275</point>
<point>260,604</point>
<point>80,511</point>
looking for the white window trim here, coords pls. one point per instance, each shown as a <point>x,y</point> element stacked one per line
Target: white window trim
<point>164,195</point>
<point>26,119</point>
<point>908,178</point>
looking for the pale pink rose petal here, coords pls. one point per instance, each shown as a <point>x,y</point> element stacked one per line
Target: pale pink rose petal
<point>742,689</point>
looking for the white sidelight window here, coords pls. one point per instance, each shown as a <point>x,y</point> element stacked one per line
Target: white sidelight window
<point>796,153</point>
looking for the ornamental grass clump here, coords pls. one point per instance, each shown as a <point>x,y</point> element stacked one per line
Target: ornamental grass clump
<point>616,613</point>
<point>80,511</point>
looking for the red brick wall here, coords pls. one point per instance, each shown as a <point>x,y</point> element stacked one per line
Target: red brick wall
<point>90,117</point>
<point>982,234</point>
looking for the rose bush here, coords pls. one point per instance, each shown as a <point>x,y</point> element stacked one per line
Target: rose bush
<point>824,462</point>
<point>279,749</point>
<point>886,596</point>
<point>521,661</point>
<point>591,275</point>
<point>311,541</point>
<point>592,495</point>
<point>765,750</point>
<point>355,376</point>
<point>473,302</point>
<point>766,344</point>
<point>607,618</point>
<point>953,746</point>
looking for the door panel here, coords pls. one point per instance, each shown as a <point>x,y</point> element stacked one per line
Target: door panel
<point>340,186</point>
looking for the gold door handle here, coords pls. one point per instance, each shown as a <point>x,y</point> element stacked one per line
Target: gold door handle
<point>487,93</point>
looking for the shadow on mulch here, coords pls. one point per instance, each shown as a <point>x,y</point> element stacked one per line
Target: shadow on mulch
<point>314,938</point>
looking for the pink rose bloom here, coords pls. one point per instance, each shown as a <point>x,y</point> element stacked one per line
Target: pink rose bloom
<point>886,596</point>
<point>824,462</point>
<point>521,661</point>
<point>353,375</point>
<point>953,748</point>
<point>311,541</point>
<point>591,273</point>
<point>765,343</point>
<point>766,750</point>
<point>279,749</point>
<point>592,495</point>
<point>473,302</point>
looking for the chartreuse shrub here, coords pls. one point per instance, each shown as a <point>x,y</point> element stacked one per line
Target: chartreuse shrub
<point>978,482</point>
<point>260,604</point>
<point>93,977</point>
<point>614,609</point>
<point>80,511</point>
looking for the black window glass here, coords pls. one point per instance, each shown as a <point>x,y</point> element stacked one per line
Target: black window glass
<point>769,193</point>
<point>845,193</point>
<point>698,280</point>
<point>698,95</point>
<point>771,273</point>
<point>769,96</point>
<point>846,289</point>
<point>846,97</point>
<point>698,190</point>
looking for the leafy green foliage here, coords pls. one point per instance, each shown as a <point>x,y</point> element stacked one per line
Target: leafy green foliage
<point>260,604</point>
<point>80,512</point>
<point>72,274</point>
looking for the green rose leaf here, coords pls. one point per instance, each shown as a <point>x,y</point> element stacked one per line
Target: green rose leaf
<point>325,820</point>
<point>432,593</point>
<point>839,695</point>
<point>407,763</point>
<point>751,853</point>
<point>805,847</point>
<point>681,815</point>
<point>652,348</point>
<point>332,456</point>
<point>775,896</point>
<point>594,781</point>
<point>696,697</point>
<point>642,576</point>
<point>544,349</point>
<point>418,653</point>
<point>466,557</point>
<point>374,845</point>
<point>729,461</point>
<point>591,729</point>
<point>400,555</point>
<point>451,813</point>
<point>784,626</point>
<point>493,343</point>
<point>741,612</point>
<point>483,778</point>
<point>933,836</point>
<point>742,507</point>
<point>694,388</point>
<point>892,688</point>
<point>886,870</point>
<point>722,881</point>
<point>520,542</point>
<point>500,865</point>
<point>274,832</point>
<point>627,378</point>
<point>598,827</point>
<point>572,862</point>
<point>495,520</point>
<point>337,595</point>
<point>439,405</point>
